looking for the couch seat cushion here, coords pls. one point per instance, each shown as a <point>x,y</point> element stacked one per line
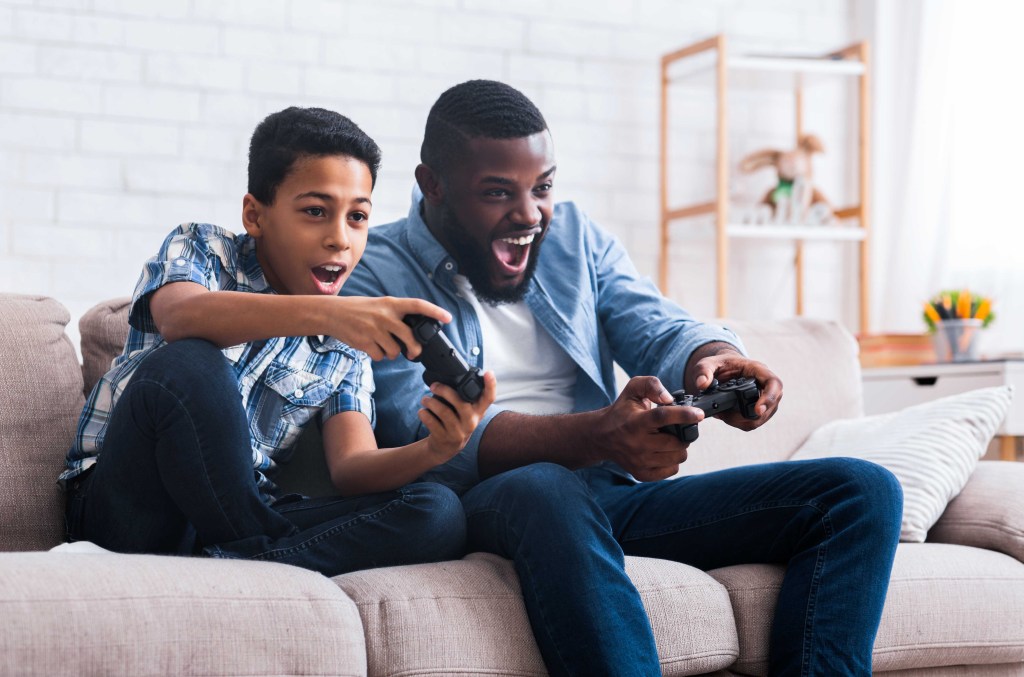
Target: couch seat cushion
<point>947,605</point>
<point>107,614</point>
<point>467,617</point>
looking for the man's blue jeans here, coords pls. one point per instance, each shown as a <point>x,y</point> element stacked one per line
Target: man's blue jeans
<point>175,476</point>
<point>835,523</point>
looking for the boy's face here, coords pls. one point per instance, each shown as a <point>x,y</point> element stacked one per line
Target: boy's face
<point>496,208</point>
<point>313,235</point>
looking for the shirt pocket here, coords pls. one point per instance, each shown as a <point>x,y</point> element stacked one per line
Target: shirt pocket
<point>289,399</point>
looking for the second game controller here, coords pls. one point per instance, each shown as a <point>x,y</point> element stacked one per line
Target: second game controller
<point>441,361</point>
<point>737,393</point>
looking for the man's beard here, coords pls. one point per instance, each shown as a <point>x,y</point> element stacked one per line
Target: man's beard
<point>473,261</point>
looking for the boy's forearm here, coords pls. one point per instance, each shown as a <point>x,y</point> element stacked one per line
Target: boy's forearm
<point>376,470</point>
<point>512,440</point>
<point>228,318</point>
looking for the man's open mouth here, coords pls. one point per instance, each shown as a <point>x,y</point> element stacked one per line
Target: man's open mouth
<point>513,252</point>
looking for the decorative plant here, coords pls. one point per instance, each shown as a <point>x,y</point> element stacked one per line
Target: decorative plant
<point>956,304</point>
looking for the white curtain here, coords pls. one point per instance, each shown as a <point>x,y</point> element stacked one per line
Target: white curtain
<point>948,147</point>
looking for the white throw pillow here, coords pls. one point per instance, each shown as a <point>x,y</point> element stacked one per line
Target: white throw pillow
<point>932,448</point>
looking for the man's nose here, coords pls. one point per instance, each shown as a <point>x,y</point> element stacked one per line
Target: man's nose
<point>526,211</point>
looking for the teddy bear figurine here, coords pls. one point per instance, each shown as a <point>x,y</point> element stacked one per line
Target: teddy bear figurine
<point>794,199</point>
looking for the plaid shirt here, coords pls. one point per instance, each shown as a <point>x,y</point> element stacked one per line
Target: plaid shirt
<point>282,383</point>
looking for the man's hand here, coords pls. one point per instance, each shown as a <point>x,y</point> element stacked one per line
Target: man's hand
<point>374,324</point>
<point>628,432</point>
<point>451,420</point>
<point>721,361</point>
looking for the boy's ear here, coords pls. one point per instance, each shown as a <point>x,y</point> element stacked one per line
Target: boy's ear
<point>252,209</point>
<point>430,184</point>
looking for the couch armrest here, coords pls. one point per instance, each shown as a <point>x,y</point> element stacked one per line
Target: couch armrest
<point>989,512</point>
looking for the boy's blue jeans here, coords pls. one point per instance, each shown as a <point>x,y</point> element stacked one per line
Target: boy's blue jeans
<point>834,522</point>
<point>175,476</point>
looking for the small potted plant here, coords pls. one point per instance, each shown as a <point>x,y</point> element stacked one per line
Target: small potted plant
<point>954,318</point>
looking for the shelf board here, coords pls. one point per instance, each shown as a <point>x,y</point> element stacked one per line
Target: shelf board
<point>794,232</point>
<point>764,72</point>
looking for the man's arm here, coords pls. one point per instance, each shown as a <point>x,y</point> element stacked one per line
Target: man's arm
<point>226,318</point>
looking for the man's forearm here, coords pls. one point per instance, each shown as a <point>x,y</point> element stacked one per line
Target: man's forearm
<point>512,440</point>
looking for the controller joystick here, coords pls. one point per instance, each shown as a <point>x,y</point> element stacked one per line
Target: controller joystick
<point>717,398</point>
<point>442,362</point>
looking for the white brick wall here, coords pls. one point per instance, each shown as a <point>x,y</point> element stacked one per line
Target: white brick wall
<point>121,118</point>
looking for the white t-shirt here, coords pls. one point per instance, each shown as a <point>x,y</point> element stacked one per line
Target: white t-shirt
<point>535,375</point>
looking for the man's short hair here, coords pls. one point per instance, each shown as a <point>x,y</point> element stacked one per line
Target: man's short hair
<point>475,109</point>
<point>293,133</point>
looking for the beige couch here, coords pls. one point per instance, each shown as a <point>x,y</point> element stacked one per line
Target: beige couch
<point>955,606</point>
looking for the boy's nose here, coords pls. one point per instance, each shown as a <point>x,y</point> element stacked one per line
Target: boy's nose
<point>338,238</point>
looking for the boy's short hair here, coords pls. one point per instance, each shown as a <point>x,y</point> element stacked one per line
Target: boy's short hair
<point>293,133</point>
<point>475,109</point>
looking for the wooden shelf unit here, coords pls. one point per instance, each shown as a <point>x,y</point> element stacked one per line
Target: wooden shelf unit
<point>852,61</point>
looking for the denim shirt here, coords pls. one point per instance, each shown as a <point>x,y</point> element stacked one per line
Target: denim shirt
<point>585,292</point>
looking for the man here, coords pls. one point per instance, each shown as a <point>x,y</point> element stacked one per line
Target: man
<point>547,300</point>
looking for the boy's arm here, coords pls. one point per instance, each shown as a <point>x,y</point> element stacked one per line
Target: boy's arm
<point>227,318</point>
<point>357,466</point>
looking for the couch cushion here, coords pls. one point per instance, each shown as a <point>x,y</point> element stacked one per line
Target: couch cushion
<point>40,401</point>
<point>797,350</point>
<point>989,512</point>
<point>468,617</point>
<point>104,330</point>
<point>74,614</point>
<point>947,605</point>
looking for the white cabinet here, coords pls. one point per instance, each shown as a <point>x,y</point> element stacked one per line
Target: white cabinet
<point>892,388</point>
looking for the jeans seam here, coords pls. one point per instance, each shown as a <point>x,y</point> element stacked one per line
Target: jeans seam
<point>812,595</point>
<point>195,438</point>
<point>279,553</point>
<point>526,564</point>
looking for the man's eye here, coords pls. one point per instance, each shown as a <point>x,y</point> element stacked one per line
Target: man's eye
<point>543,188</point>
<point>358,216</point>
<point>497,192</point>
<point>315,211</point>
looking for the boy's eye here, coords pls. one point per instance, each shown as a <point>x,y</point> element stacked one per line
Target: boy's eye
<point>316,211</point>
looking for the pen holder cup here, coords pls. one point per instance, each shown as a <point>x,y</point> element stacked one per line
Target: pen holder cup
<point>956,340</point>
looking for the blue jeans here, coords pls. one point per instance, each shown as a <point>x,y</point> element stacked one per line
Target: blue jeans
<point>835,523</point>
<point>175,476</point>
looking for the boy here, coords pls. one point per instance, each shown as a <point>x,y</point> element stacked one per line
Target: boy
<point>235,343</point>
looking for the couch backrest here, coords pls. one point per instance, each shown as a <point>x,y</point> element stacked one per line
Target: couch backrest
<point>40,401</point>
<point>817,362</point>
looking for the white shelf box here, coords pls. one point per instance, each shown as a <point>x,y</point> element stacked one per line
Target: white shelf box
<point>794,232</point>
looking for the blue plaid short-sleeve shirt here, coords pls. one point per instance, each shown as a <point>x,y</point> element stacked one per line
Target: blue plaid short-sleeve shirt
<point>283,383</point>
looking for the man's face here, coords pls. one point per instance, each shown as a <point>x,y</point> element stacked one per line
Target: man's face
<point>496,208</point>
<point>313,235</point>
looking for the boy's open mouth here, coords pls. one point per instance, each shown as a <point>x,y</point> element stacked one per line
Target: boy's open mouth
<point>513,252</point>
<point>328,277</point>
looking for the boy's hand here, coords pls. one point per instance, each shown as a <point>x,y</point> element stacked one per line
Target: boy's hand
<point>451,420</point>
<point>374,324</point>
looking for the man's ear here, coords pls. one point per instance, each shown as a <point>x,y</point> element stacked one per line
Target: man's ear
<point>430,184</point>
<point>252,210</point>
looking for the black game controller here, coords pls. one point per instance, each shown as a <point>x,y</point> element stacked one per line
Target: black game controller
<point>442,361</point>
<point>737,393</point>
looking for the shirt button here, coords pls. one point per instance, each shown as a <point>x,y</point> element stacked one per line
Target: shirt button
<point>298,392</point>
<point>448,266</point>
<point>180,262</point>
<point>475,350</point>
